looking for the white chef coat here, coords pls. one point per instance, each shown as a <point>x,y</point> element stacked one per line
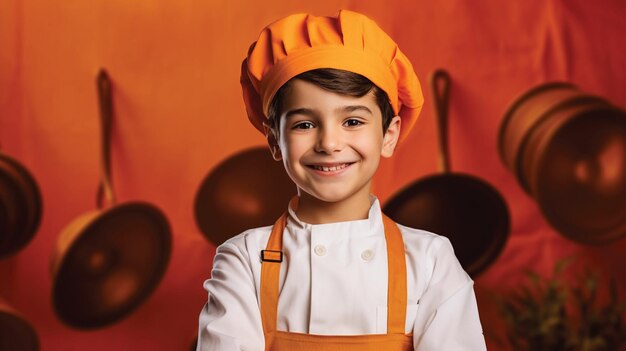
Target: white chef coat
<point>333,281</point>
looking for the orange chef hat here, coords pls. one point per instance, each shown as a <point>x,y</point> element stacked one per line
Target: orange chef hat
<point>350,41</point>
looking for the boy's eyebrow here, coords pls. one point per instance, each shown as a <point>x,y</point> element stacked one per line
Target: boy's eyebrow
<point>310,112</point>
<point>352,108</point>
<point>300,111</point>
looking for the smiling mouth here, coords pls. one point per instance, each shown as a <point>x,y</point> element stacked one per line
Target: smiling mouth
<point>330,168</point>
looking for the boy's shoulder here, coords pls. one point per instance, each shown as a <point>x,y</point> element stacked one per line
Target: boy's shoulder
<point>256,237</point>
<point>423,241</point>
<point>431,252</point>
<point>419,233</point>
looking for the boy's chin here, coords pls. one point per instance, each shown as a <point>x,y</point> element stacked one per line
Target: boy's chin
<point>328,196</point>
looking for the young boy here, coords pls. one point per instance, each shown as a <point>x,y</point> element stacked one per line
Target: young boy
<point>333,95</point>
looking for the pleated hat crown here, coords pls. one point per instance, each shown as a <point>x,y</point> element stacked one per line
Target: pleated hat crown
<point>350,41</point>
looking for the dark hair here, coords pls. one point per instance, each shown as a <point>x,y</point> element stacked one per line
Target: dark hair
<point>336,81</point>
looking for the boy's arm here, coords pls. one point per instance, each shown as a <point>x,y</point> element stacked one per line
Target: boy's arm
<point>230,320</point>
<point>448,314</point>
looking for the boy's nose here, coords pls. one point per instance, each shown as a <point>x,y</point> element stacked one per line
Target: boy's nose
<point>329,140</point>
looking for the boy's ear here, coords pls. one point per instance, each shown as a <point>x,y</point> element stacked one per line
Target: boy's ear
<point>390,139</point>
<point>272,141</point>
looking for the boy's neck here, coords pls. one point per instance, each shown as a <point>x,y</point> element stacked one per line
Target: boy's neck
<point>314,211</point>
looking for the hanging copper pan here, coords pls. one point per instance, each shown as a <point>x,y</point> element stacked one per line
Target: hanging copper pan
<point>16,333</point>
<point>108,261</point>
<point>20,206</point>
<point>568,150</point>
<point>470,212</point>
<point>247,190</point>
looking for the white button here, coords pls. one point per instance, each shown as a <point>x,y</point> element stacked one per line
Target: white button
<point>367,255</point>
<point>320,250</point>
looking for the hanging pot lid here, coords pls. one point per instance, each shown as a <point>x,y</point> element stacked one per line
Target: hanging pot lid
<point>567,149</point>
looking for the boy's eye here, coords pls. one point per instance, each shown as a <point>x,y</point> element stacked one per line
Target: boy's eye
<point>353,122</point>
<point>303,125</point>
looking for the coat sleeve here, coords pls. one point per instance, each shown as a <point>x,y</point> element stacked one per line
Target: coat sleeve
<point>448,314</point>
<point>231,319</point>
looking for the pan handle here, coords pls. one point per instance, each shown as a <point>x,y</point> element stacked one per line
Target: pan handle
<point>105,188</point>
<point>440,86</point>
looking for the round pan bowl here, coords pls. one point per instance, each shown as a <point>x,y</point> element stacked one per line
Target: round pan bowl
<point>20,206</point>
<point>465,209</point>
<point>16,334</point>
<point>108,262</point>
<point>247,190</point>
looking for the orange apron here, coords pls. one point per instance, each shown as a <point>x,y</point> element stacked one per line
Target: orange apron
<point>394,340</point>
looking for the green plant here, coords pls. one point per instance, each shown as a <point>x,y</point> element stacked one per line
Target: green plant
<point>550,315</point>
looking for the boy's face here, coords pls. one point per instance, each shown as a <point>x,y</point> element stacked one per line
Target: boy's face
<point>331,144</point>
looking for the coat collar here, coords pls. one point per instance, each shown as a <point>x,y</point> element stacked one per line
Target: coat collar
<point>370,226</point>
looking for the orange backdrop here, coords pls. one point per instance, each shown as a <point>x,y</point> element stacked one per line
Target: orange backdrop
<point>175,68</point>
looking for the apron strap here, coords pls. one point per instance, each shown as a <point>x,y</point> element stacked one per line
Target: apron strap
<point>270,277</point>
<point>396,286</point>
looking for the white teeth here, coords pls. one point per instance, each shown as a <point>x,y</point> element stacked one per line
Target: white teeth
<point>330,169</point>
